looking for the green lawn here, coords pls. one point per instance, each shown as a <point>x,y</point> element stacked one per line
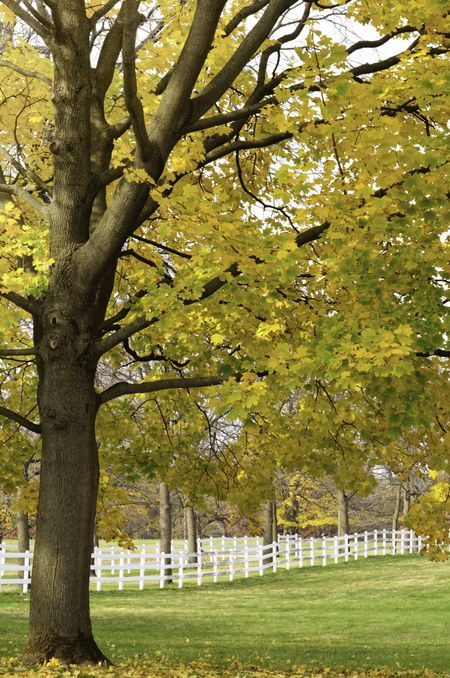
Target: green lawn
<point>392,611</point>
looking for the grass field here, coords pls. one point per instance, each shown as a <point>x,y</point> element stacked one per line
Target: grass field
<point>392,611</point>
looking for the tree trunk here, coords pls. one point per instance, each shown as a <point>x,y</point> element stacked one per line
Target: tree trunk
<point>60,624</point>
<point>396,513</point>
<point>406,500</point>
<point>274,522</point>
<point>23,540</point>
<point>268,523</point>
<point>165,522</point>
<point>191,526</point>
<point>343,517</point>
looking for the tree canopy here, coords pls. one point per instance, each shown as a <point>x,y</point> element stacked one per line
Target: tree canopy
<point>247,198</point>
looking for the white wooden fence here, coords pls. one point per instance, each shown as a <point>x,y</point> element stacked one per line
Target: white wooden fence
<point>223,559</point>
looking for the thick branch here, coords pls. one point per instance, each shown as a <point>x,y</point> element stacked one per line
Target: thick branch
<point>249,45</point>
<point>29,19</point>
<point>125,388</point>
<point>14,352</point>
<point>109,53</point>
<point>133,104</point>
<point>174,109</point>
<point>19,419</point>
<point>21,302</point>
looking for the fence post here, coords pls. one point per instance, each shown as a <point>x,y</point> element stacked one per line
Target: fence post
<point>199,568</point>
<point>375,542</point>
<point>324,551</point>
<point>411,541</point>
<point>312,554</point>
<point>336,550</point>
<point>162,569</point>
<point>384,543</point>
<point>246,572</point>
<point>402,542</point>
<point>142,568</point>
<point>346,548</point>
<point>394,544</point>
<point>180,570</point>
<point>300,552</point>
<point>98,568</point>
<point>121,569</point>
<point>355,545</point>
<point>288,553</point>
<point>26,572</point>
<point>234,543</point>
<point>274,556</point>
<point>261,558</point>
<point>366,544</point>
<point>129,561</point>
<point>211,544</point>
<point>419,543</point>
<point>215,567</point>
<point>231,565</point>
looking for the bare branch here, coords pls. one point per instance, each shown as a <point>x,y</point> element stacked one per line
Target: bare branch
<point>370,44</point>
<point>19,419</point>
<point>384,64</point>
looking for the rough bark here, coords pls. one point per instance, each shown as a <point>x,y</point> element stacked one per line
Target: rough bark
<point>269,519</point>
<point>343,515</point>
<point>396,514</point>
<point>191,527</point>
<point>406,495</point>
<point>60,624</point>
<point>165,523</point>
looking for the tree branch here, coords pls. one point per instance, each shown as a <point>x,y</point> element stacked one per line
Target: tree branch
<point>19,419</point>
<point>249,45</point>
<point>12,352</point>
<point>29,19</point>
<point>132,19</point>
<point>25,304</point>
<point>370,44</point>
<point>174,109</point>
<point>27,73</point>
<point>243,14</point>
<point>15,189</point>
<point>100,13</point>
<point>125,388</point>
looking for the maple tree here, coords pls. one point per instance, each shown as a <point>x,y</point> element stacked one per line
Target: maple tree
<point>239,194</point>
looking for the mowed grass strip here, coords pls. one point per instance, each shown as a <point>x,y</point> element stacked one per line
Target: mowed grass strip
<point>382,612</point>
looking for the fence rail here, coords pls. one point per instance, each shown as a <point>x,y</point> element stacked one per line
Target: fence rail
<point>224,559</point>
